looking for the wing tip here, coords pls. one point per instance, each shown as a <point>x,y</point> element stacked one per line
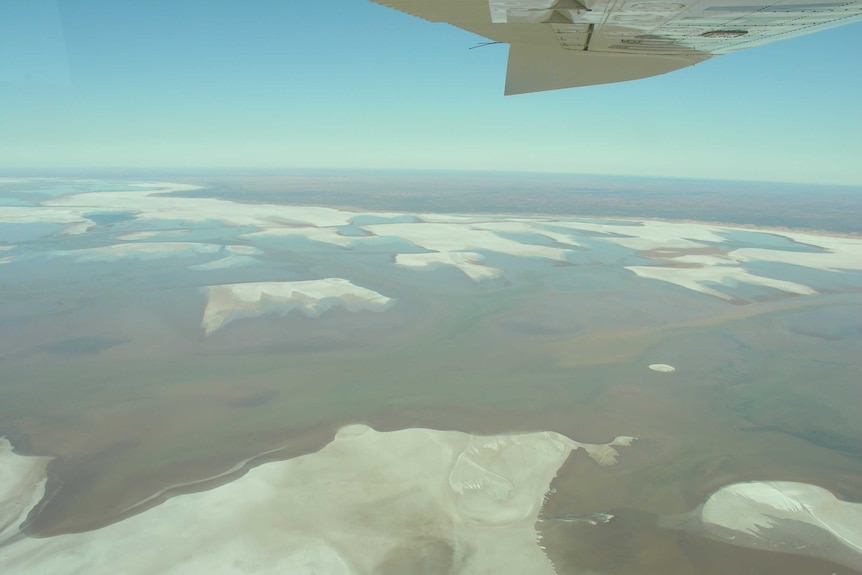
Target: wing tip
<point>534,68</point>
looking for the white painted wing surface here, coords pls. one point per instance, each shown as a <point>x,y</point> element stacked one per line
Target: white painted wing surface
<point>568,43</point>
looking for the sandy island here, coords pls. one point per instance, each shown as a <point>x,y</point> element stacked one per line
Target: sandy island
<point>416,501</point>
<point>229,302</point>
<point>781,516</point>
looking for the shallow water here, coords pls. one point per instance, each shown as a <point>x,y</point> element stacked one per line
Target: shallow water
<point>106,367</point>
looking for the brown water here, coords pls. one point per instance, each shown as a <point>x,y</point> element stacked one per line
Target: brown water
<point>132,420</point>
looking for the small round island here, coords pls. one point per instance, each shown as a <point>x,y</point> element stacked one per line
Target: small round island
<point>662,367</point>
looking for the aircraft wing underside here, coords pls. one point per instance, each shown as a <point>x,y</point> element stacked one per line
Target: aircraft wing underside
<point>567,43</point>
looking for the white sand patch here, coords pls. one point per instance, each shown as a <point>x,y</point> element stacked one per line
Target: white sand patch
<point>787,516</point>
<point>527,227</point>
<point>652,235</point>
<point>323,235</point>
<point>78,228</point>
<point>416,501</point>
<point>22,486</point>
<point>451,234</point>
<point>230,302</point>
<point>242,250</point>
<point>841,254</point>
<point>453,218</point>
<point>702,260</point>
<point>225,263</point>
<point>605,454</point>
<point>662,367</point>
<point>41,214</point>
<point>71,209</point>
<point>146,250</point>
<point>133,236</point>
<point>468,262</point>
<point>167,187</point>
<point>153,205</point>
<point>696,279</point>
<point>6,248</point>
<point>238,256</point>
<point>453,239</point>
<point>145,235</point>
<point>450,237</point>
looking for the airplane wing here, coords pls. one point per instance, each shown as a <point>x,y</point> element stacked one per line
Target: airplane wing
<point>568,43</point>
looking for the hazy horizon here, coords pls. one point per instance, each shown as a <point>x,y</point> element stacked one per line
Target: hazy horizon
<point>90,83</point>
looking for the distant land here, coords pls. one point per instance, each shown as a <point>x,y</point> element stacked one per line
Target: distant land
<point>827,208</point>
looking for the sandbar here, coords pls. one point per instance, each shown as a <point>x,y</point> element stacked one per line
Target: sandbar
<point>22,486</point>
<point>229,302</point>
<point>142,250</point>
<point>468,262</point>
<point>786,516</point>
<point>662,367</point>
<point>389,503</point>
<point>699,279</point>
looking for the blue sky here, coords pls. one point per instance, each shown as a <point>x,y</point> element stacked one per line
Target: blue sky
<point>350,84</point>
